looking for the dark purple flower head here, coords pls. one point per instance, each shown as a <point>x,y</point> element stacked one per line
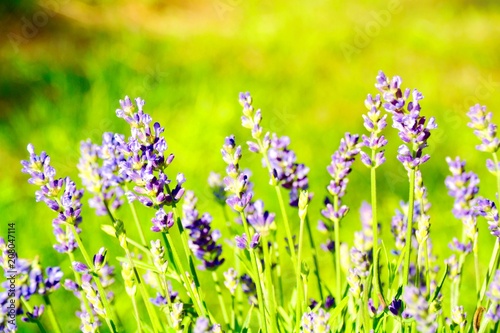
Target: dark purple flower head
<point>32,317</point>
<point>99,259</point>
<point>395,307</point>
<point>203,241</point>
<point>484,128</point>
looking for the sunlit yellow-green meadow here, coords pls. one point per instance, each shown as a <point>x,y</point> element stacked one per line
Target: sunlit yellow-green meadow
<point>309,66</point>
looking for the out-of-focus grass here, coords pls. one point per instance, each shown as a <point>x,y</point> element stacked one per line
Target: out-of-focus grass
<point>189,60</point>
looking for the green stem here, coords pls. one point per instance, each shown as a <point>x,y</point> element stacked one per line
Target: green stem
<point>50,312</point>
<point>257,274</point>
<point>338,276</point>
<point>187,252</point>
<point>336,238</point>
<point>301,291</point>
<point>491,267</point>
<point>137,224</point>
<point>409,227</point>
<point>475,250</point>
<point>376,273</point>
<point>288,231</point>
<point>270,286</point>
<point>219,296</point>
<point>157,327</point>
<point>178,264</point>
<point>314,257</point>
<point>110,318</point>
<point>136,313</point>
<point>278,273</point>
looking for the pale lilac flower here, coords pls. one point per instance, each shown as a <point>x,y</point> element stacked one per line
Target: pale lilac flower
<point>488,209</point>
<point>315,322</point>
<point>484,128</point>
<point>418,308</point>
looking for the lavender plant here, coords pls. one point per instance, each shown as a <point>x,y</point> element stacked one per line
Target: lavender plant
<point>171,268</point>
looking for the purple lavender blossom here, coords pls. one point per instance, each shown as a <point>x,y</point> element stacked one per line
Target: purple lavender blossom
<point>484,128</point>
<point>399,224</point>
<point>278,158</point>
<point>315,321</point>
<point>493,294</point>
<point>237,182</point>
<point>162,221</point>
<point>395,307</point>
<point>463,187</point>
<point>339,169</point>
<point>161,300</point>
<point>243,243</point>
<point>145,162</point>
<point>412,127</point>
<point>374,123</point>
<point>418,308</point>
<point>35,316</point>
<point>202,325</point>
<point>103,179</point>
<point>488,209</point>
<point>285,169</point>
<point>60,195</point>
<point>261,220</point>
<point>203,241</point>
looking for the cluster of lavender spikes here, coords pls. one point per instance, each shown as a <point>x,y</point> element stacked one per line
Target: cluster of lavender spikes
<point>140,162</point>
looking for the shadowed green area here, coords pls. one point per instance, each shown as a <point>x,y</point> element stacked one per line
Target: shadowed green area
<point>66,64</point>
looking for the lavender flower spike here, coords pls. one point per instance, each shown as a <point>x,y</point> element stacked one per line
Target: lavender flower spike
<point>412,127</point>
<point>60,195</point>
<point>418,308</point>
<point>374,123</point>
<point>484,128</point>
<point>203,241</point>
<point>278,157</point>
<point>488,209</point>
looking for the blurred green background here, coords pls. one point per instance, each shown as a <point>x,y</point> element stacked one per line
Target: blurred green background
<point>308,65</point>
